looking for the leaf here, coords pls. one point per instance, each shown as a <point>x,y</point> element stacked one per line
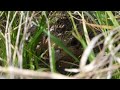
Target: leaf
<point>60,43</point>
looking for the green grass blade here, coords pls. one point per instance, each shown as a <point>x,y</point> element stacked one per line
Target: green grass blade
<point>38,33</point>
<point>114,21</point>
<point>77,35</point>
<point>90,16</point>
<point>61,44</point>
<point>34,41</point>
<point>52,63</point>
<point>92,55</point>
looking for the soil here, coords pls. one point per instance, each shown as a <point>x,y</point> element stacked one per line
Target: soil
<point>62,29</point>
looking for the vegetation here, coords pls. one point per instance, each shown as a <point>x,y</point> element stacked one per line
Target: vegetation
<point>59,44</point>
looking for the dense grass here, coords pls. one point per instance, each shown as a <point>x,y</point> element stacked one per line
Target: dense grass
<point>88,46</point>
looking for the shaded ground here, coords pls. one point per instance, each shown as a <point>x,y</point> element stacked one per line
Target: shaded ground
<point>62,28</point>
